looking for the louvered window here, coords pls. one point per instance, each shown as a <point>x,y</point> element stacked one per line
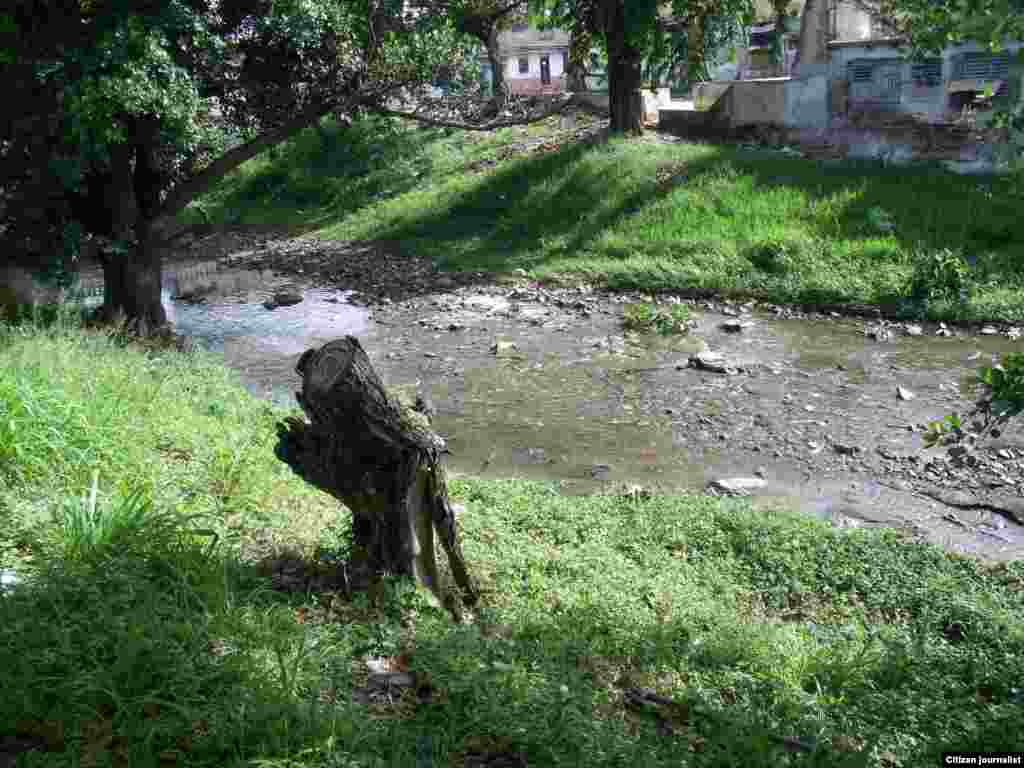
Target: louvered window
<point>982,66</point>
<point>927,74</point>
<point>861,72</point>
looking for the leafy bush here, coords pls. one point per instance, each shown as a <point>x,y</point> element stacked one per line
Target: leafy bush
<point>940,275</point>
<point>1002,399</point>
<point>664,320</point>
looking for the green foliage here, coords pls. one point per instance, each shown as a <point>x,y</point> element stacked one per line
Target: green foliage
<point>1004,384</point>
<point>756,625</point>
<point>942,274</point>
<point>1002,399</point>
<point>666,320</point>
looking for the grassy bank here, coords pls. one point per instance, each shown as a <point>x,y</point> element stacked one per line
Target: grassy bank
<point>652,215</point>
<point>140,494</point>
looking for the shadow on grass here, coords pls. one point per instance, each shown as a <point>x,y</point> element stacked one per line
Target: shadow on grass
<point>182,654</point>
<point>322,174</point>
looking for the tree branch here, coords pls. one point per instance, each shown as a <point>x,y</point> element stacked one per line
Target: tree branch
<point>488,126</point>
<point>194,186</point>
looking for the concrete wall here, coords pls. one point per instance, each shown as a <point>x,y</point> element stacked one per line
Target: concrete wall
<point>653,101</point>
<point>931,102</point>
<point>706,94</point>
<point>757,101</point>
<point>806,102</point>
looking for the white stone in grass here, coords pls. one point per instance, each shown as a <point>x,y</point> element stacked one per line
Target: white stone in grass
<point>738,486</point>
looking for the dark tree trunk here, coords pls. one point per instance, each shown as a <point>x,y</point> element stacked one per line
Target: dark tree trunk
<point>380,458</point>
<point>624,72</point>
<point>497,72</point>
<point>132,277</point>
<point>695,51</point>
<point>131,285</point>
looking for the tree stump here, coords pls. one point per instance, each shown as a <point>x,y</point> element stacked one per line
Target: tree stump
<point>380,458</point>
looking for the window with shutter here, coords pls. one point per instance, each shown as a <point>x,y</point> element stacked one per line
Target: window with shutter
<point>926,74</point>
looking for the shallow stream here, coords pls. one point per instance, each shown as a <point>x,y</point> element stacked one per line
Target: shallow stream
<point>814,410</point>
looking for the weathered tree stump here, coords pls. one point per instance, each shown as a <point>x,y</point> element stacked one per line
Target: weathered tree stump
<point>380,458</point>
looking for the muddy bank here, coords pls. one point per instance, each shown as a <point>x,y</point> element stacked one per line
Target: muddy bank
<point>824,413</point>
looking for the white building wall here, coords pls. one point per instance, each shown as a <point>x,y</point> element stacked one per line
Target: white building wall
<point>932,101</point>
<point>555,60</point>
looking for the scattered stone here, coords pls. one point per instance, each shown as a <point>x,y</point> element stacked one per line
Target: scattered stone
<point>737,486</point>
<point>287,298</point>
<point>880,334</point>
<point>736,326</point>
<point>715,362</point>
<point>904,394</point>
<point>913,330</point>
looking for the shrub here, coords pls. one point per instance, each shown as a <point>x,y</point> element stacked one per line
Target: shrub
<point>940,275</point>
<point>664,320</point>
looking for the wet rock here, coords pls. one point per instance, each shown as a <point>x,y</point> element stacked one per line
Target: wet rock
<point>1011,506</point>
<point>283,299</point>
<point>846,449</point>
<point>287,298</point>
<point>737,486</point>
<point>736,326</point>
<point>715,362</point>
<point>913,330</point>
<point>943,331</point>
<point>196,295</point>
<point>904,394</point>
<point>880,334</point>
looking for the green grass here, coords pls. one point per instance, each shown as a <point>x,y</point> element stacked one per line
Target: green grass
<point>145,636</point>
<point>650,216</point>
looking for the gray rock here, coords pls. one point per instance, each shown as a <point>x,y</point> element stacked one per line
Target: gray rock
<point>913,330</point>
<point>503,347</point>
<point>846,449</point>
<point>904,394</point>
<point>287,298</point>
<point>715,362</point>
<point>880,333</point>
<point>989,330</point>
<point>600,472</point>
<point>737,486</point>
<point>736,326</point>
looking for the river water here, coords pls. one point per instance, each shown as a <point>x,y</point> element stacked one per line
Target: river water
<point>578,402</point>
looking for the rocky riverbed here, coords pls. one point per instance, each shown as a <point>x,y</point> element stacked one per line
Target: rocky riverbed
<point>813,410</point>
